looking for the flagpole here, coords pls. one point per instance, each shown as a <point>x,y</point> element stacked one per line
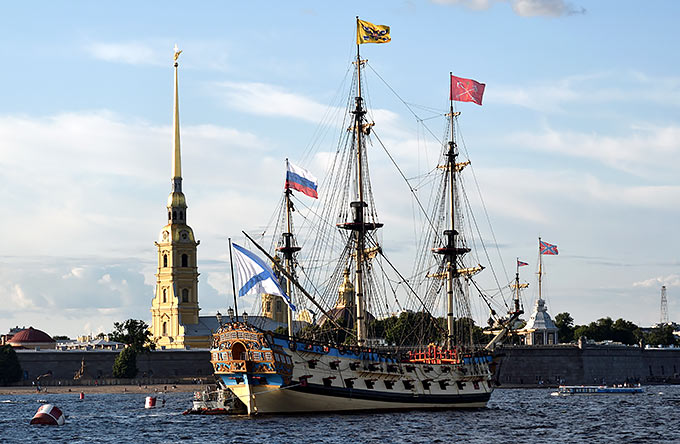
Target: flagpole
<point>540,268</point>
<point>233,283</point>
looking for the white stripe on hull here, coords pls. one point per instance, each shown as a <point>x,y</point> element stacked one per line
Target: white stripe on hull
<point>272,399</point>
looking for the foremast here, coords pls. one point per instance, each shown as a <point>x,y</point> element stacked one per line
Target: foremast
<point>288,249</point>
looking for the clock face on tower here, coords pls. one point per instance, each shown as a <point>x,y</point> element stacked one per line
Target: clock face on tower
<point>184,235</point>
<point>166,235</point>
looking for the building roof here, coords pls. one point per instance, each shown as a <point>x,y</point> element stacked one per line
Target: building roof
<point>207,325</point>
<point>540,319</point>
<point>31,336</point>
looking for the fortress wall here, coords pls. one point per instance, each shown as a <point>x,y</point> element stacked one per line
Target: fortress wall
<point>99,363</point>
<point>529,365</point>
<point>518,365</point>
<point>591,364</point>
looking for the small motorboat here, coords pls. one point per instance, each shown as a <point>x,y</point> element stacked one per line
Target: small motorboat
<point>596,389</point>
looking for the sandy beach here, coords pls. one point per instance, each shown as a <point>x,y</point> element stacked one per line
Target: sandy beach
<point>89,389</point>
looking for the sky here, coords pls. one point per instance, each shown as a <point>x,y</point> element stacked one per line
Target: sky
<point>578,140</point>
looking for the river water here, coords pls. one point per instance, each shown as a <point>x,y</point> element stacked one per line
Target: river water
<point>512,416</point>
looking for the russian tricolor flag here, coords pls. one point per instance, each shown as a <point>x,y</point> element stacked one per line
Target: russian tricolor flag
<point>301,180</point>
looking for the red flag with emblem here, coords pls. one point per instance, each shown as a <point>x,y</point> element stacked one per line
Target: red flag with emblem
<point>466,90</point>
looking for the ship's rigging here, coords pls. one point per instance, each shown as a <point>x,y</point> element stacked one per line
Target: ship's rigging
<point>342,233</point>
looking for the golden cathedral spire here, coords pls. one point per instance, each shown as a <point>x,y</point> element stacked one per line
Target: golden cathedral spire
<point>176,159</point>
<point>176,201</point>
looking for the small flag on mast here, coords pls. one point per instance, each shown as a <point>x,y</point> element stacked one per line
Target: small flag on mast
<point>548,249</point>
<point>301,180</point>
<point>466,90</point>
<point>255,276</point>
<point>369,33</point>
<point>521,264</point>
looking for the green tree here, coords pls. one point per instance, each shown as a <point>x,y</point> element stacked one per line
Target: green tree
<point>565,327</point>
<point>134,333</point>
<point>662,335</point>
<point>605,329</point>
<point>125,365</point>
<point>10,369</point>
<point>626,332</point>
<point>409,328</point>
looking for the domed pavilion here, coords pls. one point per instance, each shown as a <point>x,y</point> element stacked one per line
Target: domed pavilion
<point>32,338</point>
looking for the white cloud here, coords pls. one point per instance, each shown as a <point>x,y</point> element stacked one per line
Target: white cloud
<point>547,8</point>
<point>671,280</point>
<point>92,174</point>
<point>19,299</point>
<point>272,100</point>
<point>77,272</point>
<point>133,53</point>
<point>472,4</point>
<point>525,8</point>
<point>593,88</point>
<point>649,151</point>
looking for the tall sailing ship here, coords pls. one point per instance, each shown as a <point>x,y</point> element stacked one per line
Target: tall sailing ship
<point>345,361</point>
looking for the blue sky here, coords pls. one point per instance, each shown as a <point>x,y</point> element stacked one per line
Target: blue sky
<point>578,139</point>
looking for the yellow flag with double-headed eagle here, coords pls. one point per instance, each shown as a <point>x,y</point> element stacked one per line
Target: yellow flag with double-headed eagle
<point>370,33</point>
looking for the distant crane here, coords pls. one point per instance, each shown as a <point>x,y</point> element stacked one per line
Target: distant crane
<point>664,306</point>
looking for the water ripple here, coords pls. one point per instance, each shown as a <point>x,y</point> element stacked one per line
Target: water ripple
<point>512,416</point>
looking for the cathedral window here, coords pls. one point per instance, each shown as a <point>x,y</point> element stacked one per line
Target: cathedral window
<point>185,295</point>
<point>165,260</point>
<point>181,215</point>
<point>185,260</point>
<point>165,295</point>
<point>278,306</point>
<point>169,216</point>
<point>174,215</point>
<point>269,306</point>
<point>165,328</point>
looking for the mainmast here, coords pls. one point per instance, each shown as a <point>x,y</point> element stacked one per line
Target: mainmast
<point>358,225</point>
<point>359,206</point>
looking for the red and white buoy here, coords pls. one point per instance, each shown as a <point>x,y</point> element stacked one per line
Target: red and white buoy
<point>150,402</point>
<point>82,395</point>
<point>49,415</point>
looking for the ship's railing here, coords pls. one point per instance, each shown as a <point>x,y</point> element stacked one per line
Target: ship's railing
<point>434,355</point>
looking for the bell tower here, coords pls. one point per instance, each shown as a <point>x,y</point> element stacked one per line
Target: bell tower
<point>175,304</point>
